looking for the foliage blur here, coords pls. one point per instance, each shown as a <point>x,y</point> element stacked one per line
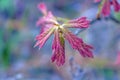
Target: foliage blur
<point>19,60</point>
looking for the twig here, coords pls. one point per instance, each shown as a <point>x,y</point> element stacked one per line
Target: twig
<point>114,19</point>
<point>79,31</point>
<point>95,20</point>
<point>98,19</point>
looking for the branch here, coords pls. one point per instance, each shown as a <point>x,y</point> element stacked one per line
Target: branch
<point>98,19</point>
<point>114,19</point>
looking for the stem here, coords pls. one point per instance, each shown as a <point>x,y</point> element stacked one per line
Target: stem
<point>62,19</point>
<point>114,19</point>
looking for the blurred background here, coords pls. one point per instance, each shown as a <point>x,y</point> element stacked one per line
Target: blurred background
<point>19,60</point>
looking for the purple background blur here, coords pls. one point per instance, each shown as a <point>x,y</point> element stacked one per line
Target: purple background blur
<point>19,60</point>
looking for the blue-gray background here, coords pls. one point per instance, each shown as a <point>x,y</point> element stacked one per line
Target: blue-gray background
<point>19,60</point>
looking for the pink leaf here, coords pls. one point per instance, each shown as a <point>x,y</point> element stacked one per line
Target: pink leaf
<point>79,23</point>
<point>42,7</point>
<point>78,44</point>
<point>106,8</point>
<point>42,38</point>
<point>116,5</point>
<point>58,50</point>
